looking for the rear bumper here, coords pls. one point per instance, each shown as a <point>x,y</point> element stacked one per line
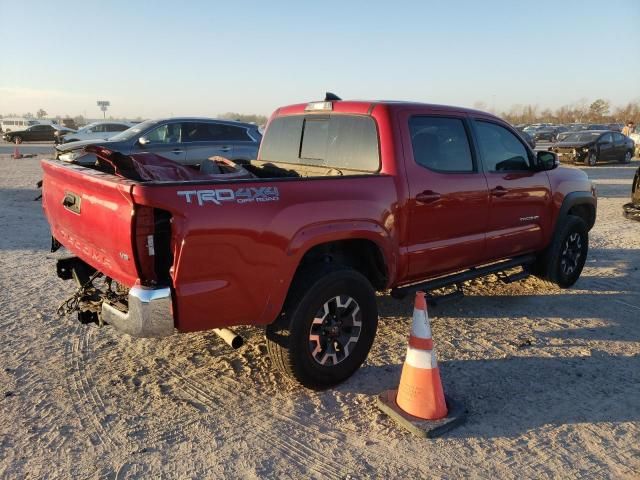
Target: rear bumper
<point>149,313</point>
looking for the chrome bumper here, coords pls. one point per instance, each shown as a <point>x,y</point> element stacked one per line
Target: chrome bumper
<point>149,313</point>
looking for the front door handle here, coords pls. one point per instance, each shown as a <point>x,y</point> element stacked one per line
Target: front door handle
<point>225,149</point>
<point>428,196</point>
<point>499,191</point>
<point>177,151</point>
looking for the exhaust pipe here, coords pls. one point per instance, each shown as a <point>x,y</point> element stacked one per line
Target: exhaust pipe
<point>231,338</point>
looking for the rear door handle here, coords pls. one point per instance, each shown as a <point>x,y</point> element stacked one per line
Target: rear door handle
<point>499,191</point>
<point>225,149</point>
<point>428,196</point>
<point>177,151</point>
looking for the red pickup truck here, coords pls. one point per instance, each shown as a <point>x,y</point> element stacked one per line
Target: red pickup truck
<point>345,198</point>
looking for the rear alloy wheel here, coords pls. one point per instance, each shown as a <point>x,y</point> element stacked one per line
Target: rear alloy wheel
<point>326,328</point>
<point>627,157</point>
<point>591,160</point>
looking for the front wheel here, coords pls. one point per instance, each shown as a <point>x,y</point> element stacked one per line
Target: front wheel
<point>568,252</point>
<point>326,328</point>
<point>591,160</point>
<point>627,157</point>
<point>17,139</point>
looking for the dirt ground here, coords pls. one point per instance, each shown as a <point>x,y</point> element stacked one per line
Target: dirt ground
<point>550,377</point>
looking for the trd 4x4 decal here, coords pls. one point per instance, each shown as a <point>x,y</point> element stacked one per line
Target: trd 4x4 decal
<point>240,195</point>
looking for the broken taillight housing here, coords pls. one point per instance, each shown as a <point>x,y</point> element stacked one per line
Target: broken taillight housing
<point>152,227</point>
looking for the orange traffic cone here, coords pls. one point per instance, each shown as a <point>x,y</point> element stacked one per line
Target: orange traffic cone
<point>419,403</point>
<point>420,393</point>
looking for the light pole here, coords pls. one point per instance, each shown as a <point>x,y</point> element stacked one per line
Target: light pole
<point>103,104</point>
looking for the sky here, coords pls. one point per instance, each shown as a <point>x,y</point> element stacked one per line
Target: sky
<point>156,58</point>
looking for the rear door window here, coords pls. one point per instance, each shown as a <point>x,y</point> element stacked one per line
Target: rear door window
<point>606,138</point>
<point>335,141</point>
<point>235,134</point>
<point>214,132</point>
<point>440,144</point>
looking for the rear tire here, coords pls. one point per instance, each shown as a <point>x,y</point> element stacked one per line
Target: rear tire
<point>326,328</point>
<point>564,259</point>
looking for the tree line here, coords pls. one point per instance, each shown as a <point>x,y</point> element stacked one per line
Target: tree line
<point>598,111</point>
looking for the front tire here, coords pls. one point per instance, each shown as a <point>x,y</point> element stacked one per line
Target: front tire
<point>16,139</point>
<point>327,326</point>
<point>567,254</point>
<point>627,157</point>
<point>591,160</point>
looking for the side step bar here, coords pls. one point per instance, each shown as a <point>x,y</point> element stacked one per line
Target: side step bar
<point>475,272</point>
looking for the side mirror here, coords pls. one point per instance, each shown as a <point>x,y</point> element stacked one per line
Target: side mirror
<point>547,160</point>
<point>143,141</point>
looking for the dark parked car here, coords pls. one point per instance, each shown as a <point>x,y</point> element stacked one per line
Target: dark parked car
<point>189,141</point>
<point>549,134</point>
<point>632,209</point>
<point>616,127</point>
<point>529,139</point>
<point>31,134</point>
<point>591,147</point>
<point>597,126</point>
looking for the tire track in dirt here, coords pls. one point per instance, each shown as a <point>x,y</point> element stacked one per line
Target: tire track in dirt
<point>88,405</point>
<point>289,447</point>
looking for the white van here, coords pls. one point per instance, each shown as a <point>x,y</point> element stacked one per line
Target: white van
<point>12,124</point>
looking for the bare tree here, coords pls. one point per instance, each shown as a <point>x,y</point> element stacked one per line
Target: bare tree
<point>250,118</point>
<point>598,109</point>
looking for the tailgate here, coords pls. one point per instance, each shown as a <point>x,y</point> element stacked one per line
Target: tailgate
<point>91,214</point>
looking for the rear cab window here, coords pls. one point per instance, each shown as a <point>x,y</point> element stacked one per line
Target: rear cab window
<point>340,141</point>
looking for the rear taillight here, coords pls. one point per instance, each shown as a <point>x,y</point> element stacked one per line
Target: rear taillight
<point>152,228</point>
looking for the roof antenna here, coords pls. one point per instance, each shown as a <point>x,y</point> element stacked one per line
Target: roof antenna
<point>328,97</point>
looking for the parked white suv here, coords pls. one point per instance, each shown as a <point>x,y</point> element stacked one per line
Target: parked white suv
<point>97,131</point>
<point>12,124</point>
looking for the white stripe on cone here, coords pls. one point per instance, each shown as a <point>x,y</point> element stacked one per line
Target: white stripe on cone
<point>421,358</point>
<point>420,326</point>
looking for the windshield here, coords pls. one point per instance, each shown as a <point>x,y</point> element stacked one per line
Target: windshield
<point>582,137</point>
<point>134,131</point>
<point>88,126</point>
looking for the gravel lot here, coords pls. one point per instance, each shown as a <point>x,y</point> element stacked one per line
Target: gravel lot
<point>551,378</point>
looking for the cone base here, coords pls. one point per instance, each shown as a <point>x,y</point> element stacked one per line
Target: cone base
<point>424,428</point>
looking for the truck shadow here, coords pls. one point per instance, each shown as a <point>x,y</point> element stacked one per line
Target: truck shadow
<point>508,397</point>
<point>559,375</point>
